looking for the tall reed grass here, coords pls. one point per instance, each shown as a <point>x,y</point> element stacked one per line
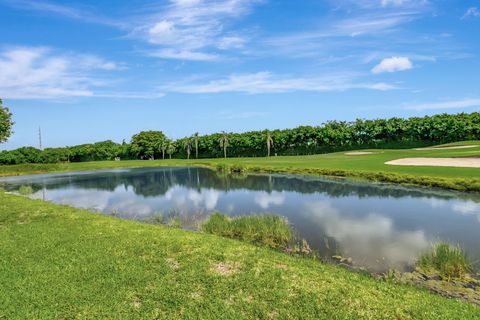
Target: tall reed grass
<point>449,261</point>
<point>265,230</point>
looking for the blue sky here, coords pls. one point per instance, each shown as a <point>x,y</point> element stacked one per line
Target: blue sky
<point>88,71</point>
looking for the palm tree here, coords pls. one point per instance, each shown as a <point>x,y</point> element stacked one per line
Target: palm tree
<point>188,146</point>
<point>269,142</point>
<point>170,148</point>
<point>195,138</point>
<point>163,147</point>
<point>224,143</point>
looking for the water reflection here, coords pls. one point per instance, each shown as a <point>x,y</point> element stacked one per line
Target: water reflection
<point>377,225</point>
<point>265,199</point>
<point>371,240</point>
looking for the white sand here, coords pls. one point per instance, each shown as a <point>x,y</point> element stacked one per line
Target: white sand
<point>473,162</point>
<point>445,148</point>
<point>358,153</point>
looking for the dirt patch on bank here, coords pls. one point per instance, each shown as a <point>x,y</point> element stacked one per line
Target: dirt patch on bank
<point>446,148</point>
<point>467,162</point>
<point>224,268</point>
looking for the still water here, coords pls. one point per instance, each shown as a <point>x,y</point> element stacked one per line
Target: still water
<point>378,226</point>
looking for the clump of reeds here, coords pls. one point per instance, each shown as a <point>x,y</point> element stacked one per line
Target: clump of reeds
<point>265,230</point>
<point>448,261</point>
<point>25,190</point>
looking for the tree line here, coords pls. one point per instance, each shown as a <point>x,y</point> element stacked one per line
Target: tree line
<point>329,137</point>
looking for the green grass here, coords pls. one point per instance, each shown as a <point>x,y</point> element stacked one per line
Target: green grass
<point>265,230</point>
<point>448,261</point>
<point>57,262</point>
<point>368,167</point>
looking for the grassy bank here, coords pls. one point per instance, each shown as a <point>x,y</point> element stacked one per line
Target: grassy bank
<point>60,262</point>
<point>370,167</point>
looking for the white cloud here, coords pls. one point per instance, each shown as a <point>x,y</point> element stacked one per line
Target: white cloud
<point>183,55</point>
<point>451,104</point>
<point>373,239</point>
<point>345,40</point>
<point>266,82</point>
<point>65,11</point>
<point>467,208</point>
<point>40,73</point>
<point>192,200</point>
<point>393,64</point>
<point>386,3</point>
<point>193,29</point>
<point>231,42</point>
<point>205,198</point>
<point>373,4</point>
<point>370,24</point>
<point>471,12</point>
<point>265,199</point>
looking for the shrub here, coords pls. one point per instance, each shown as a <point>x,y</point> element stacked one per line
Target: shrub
<point>238,169</point>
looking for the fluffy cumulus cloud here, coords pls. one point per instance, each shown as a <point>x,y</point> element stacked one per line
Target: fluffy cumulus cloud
<point>393,64</point>
<point>40,73</point>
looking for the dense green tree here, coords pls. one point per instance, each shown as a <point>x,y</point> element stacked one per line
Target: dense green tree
<point>6,123</point>
<point>54,155</point>
<point>145,144</point>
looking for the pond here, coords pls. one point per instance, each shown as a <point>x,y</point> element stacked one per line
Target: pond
<point>377,225</point>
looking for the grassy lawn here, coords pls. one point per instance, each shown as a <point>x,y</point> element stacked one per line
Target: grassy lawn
<point>369,167</point>
<point>65,263</point>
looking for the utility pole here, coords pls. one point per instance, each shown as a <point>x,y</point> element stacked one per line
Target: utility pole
<point>40,138</point>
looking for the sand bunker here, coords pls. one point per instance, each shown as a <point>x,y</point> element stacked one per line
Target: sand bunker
<point>473,162</point>
<point>358,153</point>
<point>445,148</point>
